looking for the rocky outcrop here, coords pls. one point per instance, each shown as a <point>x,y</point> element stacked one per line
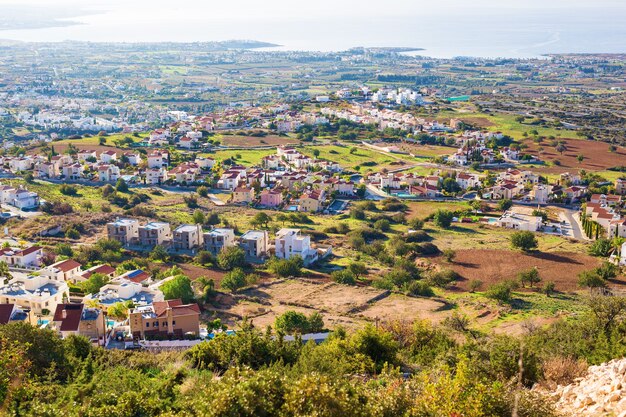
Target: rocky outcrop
<point>602,392</point>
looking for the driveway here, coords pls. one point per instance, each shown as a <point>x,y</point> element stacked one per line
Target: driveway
<point>575,227</point>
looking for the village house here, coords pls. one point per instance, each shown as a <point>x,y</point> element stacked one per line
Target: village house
<point>154,233</point>
<point>35,292</point>
<point>312,201</point>
<point>271,198</point>
<point>108,173</point>
<point>540,193</point>
<point>108,157</point>
<point>87,155</point>
<point>133,158</point>
<point>255,244</point>
<point>187,237</point>
<point>466,180</point>
<point>122,290</point>
<point>218,239</point>
<point>138,276</point>
<point>520,221</point>
<point>155,176</point>
<point>165,318</point>
<point>106,270</point>
<point>72,171</point>
<point>125,231</point>
<point>204,163</point>
<point>22,258</point>
<point>291,242</point>
<point>79,320</point>
<point>66,270</point>
<point>242,195</point>
<point>185,173</point>
<point>158,159</point>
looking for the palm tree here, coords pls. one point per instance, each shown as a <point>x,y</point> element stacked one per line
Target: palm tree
<point>207,288</point>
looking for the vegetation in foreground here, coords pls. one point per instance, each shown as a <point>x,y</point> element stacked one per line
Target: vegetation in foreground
<point>395,369</point>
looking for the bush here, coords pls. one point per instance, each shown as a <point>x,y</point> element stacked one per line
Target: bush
<point>442,278</point>
<point>601,247</point>
<point>524,240</point>
<point>231,257</point>
<point>286,267</point>
<point>68,190</point>
<point>501,292</point>
<point>530,276</point>
<point>443,218</point>
<point>343,276</point>
<point>382,225</point>
<point>474,285</point>
<point>202,191</point>
<point>419,288</point>
<point>234,280</point>
<point>294,322</point>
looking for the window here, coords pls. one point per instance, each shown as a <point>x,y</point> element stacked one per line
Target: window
<point>174,323</point>
<point>156,324</point>
<point>164,324</point>
<point>147,324</point>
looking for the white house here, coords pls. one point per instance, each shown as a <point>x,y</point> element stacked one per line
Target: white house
<point>291,242</point>
<point>108,157</point>
<point>36,292</point>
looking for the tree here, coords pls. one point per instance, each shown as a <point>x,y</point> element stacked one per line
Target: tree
<point>94,283</point>
<point>591,280</point>
<point>524,240</point>
<point>4,270</point>
<point>292,322</point>
<point>601,247</point>
<point>530,276</point>
<point>607,270</point>
<point>443,218</point>
<point>205,258</point>
<point>281,217</point>
<point>202,191</point>
<point>206,287</point>
<point>548,288</point>
<point>449,255</point>
<point>358,269</point>
<point>261,219</point>
<point>159,253</point>
<point>316,153</point>
<point>178,287</point>
<point>560,148</point>
<point>234,280</point>
<point>231,257</point>
<point>120,309</point>
<point>198,217</point>
<point>361,190</point>
<point>607,310</point>
<point>121,186</point>
<point>580,158</point>
<point>505,204</point>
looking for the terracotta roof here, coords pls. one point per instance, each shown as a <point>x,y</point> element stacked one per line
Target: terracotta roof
<point>5,313</point>
<point>177,306</point>
<point>73,314</point>
<point>67,265</point>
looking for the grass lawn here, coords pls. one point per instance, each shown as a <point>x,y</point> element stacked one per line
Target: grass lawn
<point>247,157</point>
<point>95,140</point>
<point>342,155</point>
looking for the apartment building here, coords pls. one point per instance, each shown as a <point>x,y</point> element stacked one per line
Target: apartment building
<point>35,292</point>
<point>125,231</point>
<point>254,243</point>
<point>187,237</point>
<point>218,239</point>
<point>154,233</point>
<point>291,242</point>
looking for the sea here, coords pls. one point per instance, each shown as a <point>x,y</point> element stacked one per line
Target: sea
<point>444,32</point>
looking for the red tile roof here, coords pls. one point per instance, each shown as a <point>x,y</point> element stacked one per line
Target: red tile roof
<point>73,314</point>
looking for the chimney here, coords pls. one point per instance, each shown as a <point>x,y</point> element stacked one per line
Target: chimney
<point>64,314</point>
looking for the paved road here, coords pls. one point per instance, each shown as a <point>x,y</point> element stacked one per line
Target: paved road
<point>571,216</point>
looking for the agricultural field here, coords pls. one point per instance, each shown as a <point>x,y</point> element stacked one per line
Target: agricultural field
<point>349,158</point>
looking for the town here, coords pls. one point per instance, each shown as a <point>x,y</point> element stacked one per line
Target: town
<point>211,212</point>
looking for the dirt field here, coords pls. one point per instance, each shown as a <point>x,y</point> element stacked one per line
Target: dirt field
<point>340,305</point>
<point>250,141</point>
<point>479,122</point>
<point>491,266</point>
<point>597,155</point>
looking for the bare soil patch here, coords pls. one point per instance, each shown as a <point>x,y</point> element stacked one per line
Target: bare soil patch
<point>253,141</point>
<point>479,122</point>
<point>491,266</point>
<point>597,155</point>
